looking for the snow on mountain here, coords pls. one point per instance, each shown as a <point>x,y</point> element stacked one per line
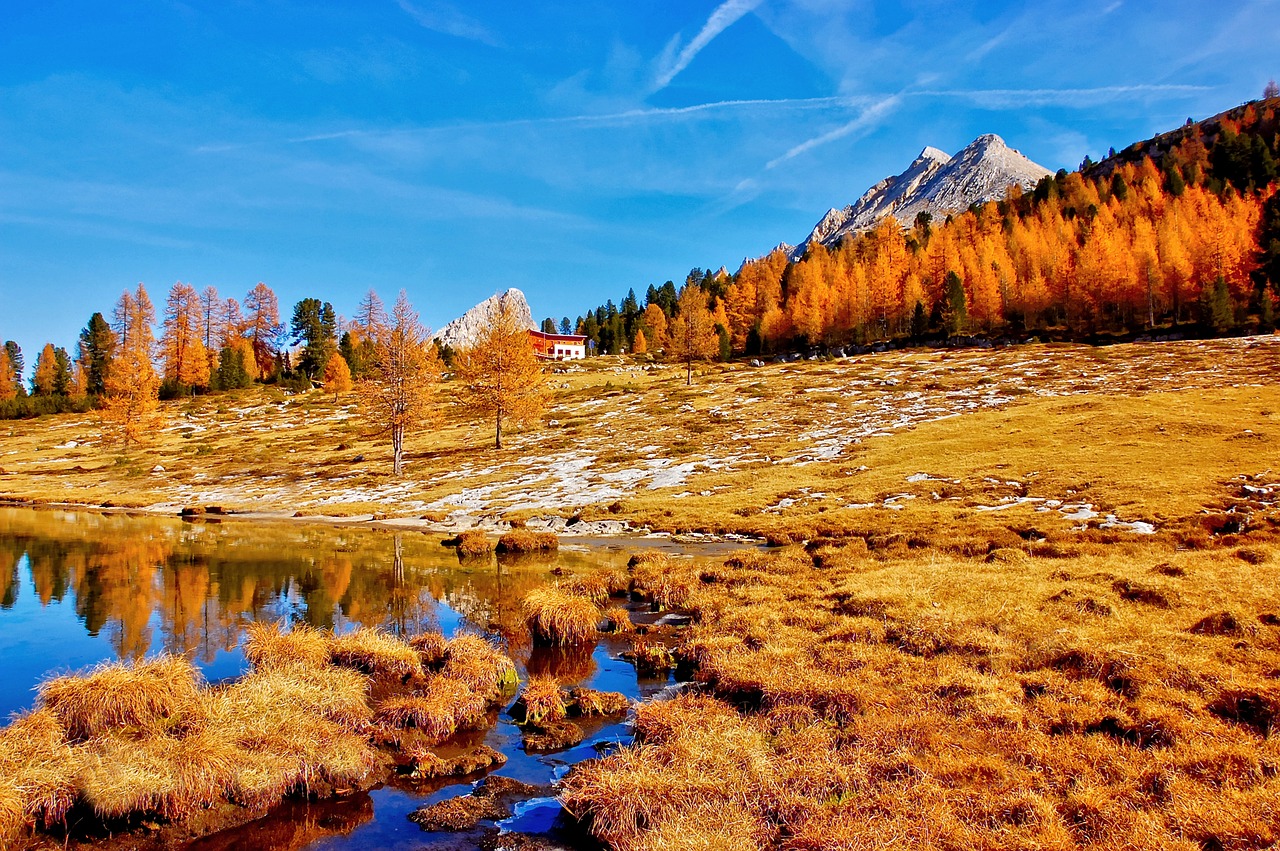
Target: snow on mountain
<point>465,330</point>
<point>934,183</point>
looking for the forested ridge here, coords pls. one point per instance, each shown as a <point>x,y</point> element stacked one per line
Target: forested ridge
<point>1180,232</point>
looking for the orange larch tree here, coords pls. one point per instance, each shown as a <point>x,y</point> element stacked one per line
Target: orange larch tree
<point>8,390</point>
<point>656,321</point>
<point>692,332</point>
<point>398,390</point>
<point>183,352</point>
<point>337,375</point>
<point>45,378</point>
<point>501,373</point>
<point>130,406</point>
<point>262,326</point>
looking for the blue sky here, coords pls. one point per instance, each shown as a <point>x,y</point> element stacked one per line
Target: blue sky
<point>569,149</point>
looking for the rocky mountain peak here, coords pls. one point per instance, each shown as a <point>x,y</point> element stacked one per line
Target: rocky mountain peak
<point>464,331</point>
<point>930,154</point>
<point>934,183</point>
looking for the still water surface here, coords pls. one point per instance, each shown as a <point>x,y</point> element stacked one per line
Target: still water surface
<point>79,588</point>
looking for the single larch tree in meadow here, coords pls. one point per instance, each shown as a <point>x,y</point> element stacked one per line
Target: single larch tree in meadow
<point>400,379</point>
<point>692,334</point>
<point>337,375</point>
<point>501,374</point>
<point>130,406</point>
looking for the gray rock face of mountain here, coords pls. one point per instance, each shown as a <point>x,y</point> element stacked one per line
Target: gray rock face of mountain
<point>936,184</point>
<point>464,331</point>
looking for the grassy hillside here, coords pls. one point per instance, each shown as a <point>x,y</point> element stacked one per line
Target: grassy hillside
<point>1008,438</point>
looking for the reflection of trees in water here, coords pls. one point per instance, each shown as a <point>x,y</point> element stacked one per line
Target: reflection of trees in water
<point>148,581</point>
<point>293,825</point>
<point>10,555</point>
<point>569,665</point>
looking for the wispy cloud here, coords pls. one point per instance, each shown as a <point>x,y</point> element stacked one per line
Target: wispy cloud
<point>697,109</point>
<point>671,62</point>
<point>443,18</point>
<point>990,44</point>
<point>870,118</point>
<point>873,110</point>
<point>602,119</point>
<point>1073,97</point>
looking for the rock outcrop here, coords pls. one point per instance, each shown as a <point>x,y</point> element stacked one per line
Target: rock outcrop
<point>934,183</point>
<point>465,330</point>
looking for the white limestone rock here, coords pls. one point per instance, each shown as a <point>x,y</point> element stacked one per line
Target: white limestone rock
<point>464,331</point>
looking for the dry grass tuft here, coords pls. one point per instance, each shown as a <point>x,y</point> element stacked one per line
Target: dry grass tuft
<point>592,586</point>
<point>153,696</point>
<point>294,729</point>
<point>447,707</point>
<point>430,647</point>
<point>651,658</point>
<point>618,582</point>
<point>371,651</point>
<point>1258,711</point>
<point>619,619</point>
<point>265,645</point>
<point>475,663</point>
<point>37,774</point>
<point>1219,623</point>
<point>474,543</point>
<point>655,578</point>
<point>144,740</point>
<point>556,617</point>
<point>169,777</point>
<point>525,541</point>
<point>589,702</point>
<point>542,701</point>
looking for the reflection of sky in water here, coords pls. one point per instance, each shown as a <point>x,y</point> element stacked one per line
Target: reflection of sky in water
<point>80,589</point>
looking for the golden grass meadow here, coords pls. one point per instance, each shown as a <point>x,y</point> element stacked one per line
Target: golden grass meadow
<point>1017,598</point>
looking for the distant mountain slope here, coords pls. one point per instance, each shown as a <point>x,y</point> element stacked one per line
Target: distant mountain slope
<point>1255,119</point>
<point>463,332</point>
<point>934,183</point>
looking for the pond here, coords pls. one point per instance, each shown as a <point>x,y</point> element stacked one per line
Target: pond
<point>80,588</point>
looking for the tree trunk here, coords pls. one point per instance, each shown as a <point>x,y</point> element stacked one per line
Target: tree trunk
<point>1151,303</point>
<point>497,433</point>
<point>688,378</point>
<point>397,447</point>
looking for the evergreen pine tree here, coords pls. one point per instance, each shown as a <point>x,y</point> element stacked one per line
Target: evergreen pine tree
<point>97,347</point>
<point>16,366</point>
<point>955,308</point>
<point>1216,310</point>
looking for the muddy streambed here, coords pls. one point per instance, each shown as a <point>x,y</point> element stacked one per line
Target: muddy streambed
<point>80,588</point>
